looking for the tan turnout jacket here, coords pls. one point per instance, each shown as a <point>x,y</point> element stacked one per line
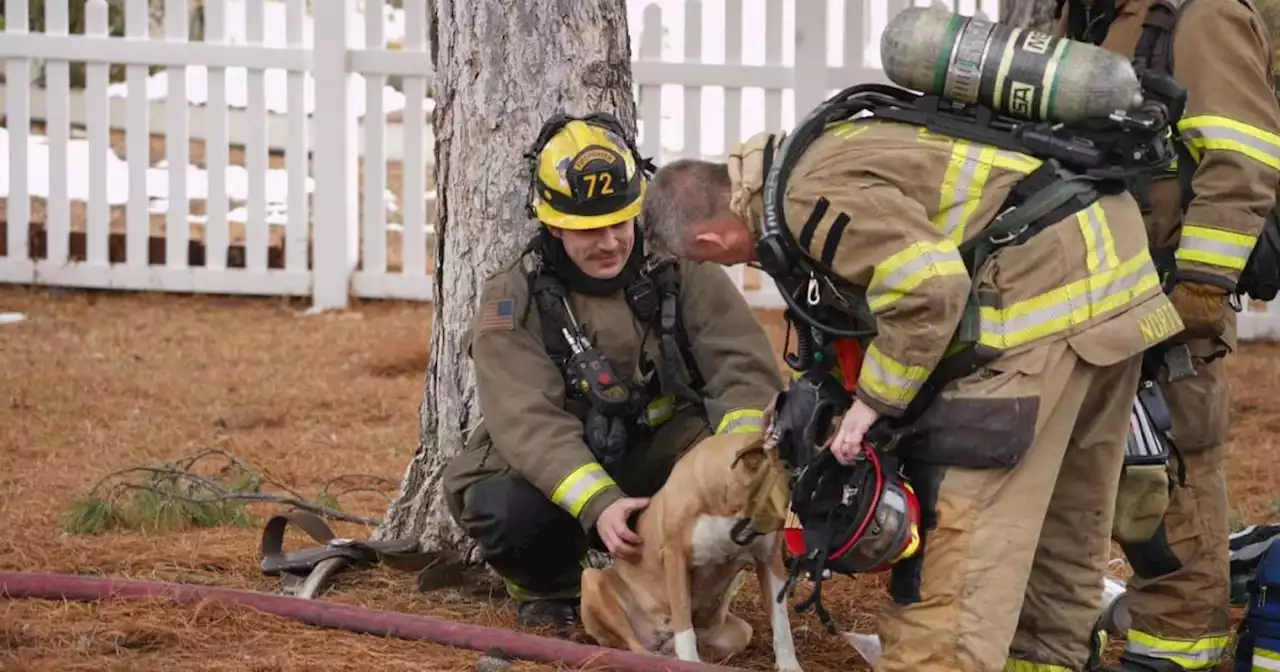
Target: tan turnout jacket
<point>529,427</point>
<point>1222,55</point>
<point>885,204</point>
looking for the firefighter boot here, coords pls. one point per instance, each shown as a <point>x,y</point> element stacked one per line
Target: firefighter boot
<point>557,612</point>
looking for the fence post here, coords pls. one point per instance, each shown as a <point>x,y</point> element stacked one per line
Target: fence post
<point>335,226</point>
<point>810,69</point>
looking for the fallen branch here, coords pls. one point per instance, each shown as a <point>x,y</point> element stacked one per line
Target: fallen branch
<point>172,494</point>
<point>262,497</point>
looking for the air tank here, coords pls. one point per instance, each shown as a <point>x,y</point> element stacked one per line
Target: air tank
<point>1021,73</point>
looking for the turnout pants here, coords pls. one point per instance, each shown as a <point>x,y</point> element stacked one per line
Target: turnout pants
<point>537,547</point>
<point>1013,567</point>
<point>1179,598</point>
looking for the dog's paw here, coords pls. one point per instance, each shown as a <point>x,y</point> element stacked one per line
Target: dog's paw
<point>790,667</point>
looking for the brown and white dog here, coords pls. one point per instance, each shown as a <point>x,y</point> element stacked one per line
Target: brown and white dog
<point>675,598</point>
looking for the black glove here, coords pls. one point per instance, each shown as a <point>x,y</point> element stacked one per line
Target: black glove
<point>606,436</point>
<point>804,415</point>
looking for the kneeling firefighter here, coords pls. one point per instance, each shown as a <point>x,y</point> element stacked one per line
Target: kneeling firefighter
<point>978,245</point>
<point>596,366</point>
<point>1204,216</point>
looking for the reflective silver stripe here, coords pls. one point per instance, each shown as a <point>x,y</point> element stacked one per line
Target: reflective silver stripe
<point>580,486</point>
<point>1200,654</point>
<point>1082,300</point>
<point>659,410</point>
<point>1097,239</point>
<point>1216,247</point>
<point>741,420</point>
<point>889,380</point>
<point>1220,133</point>
<point>743,425</point>
<point>926,261</point>
<point>962,185</point>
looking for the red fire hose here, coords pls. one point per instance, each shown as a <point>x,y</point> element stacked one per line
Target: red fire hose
<point>347,617</point>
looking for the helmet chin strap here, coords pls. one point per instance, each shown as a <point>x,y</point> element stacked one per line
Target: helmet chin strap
<point>557,260</point>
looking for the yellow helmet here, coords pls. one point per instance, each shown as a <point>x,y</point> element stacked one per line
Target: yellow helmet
<point>584,173</point>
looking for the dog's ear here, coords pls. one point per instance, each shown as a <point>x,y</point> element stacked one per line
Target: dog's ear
<point>752,454</point>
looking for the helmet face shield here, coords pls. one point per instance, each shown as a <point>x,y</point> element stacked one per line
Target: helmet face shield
<point>866,518</point>
<point>892,533</point>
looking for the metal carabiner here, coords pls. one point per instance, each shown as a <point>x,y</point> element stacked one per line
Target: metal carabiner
<point>814,294</point>
<point>1008,237</point>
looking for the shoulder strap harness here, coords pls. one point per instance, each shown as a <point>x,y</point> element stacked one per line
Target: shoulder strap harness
<point>654,298</point>
<point>1080,163</point>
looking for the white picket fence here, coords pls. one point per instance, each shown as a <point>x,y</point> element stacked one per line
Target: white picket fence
<point>268,79</point>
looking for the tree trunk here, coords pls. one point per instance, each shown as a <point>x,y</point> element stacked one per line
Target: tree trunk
<point>1034,14</point>
<point>502,68</point>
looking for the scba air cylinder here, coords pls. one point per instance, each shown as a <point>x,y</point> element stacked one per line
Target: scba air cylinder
<point>1020,73</point>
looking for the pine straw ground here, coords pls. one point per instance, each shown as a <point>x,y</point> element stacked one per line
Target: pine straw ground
<point>92,383</point>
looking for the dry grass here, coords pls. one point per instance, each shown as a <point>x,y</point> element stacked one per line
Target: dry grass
<point>95,382</point>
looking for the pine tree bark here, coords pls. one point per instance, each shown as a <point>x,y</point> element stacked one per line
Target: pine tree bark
<point>1033,14</point>
<point>502,68</point>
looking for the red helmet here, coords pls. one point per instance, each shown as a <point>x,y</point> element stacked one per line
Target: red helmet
<point>851,519</point>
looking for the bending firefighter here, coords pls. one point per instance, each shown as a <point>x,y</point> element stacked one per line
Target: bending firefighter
<point>997,272</point>
<point>1203,218</point>
<point>596,367</point>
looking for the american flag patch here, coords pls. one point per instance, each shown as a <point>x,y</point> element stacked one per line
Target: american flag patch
<point>498,315</point>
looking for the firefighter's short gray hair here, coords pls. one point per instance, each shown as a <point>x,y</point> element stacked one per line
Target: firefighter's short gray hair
<point>682,193</point>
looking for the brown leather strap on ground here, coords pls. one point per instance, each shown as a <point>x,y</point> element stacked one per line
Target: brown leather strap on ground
<point>401,554</point>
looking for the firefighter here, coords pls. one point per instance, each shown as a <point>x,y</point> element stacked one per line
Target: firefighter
<point>561,461</point>
<point>1016,461</point>
<point>1221,52</point>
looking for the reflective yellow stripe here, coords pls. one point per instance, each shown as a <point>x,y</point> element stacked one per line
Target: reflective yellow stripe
<point>896,276</point>
<point>913,541</point>
<point>1215,247</point>
<point>580,486</point>
<point>1264,659</point>
<point>1212,132</point>
<point>1014,161</point>
<point>741,421</point>
<point>965,180</point>
<point>1189,654</point>
<point>660,410</point>
<point>889,380</point>
<point>1013,665</point>
<point>846,129</point>
<point>1067,306</point>
<point>1100,247</point>
<point>962,187</point>
<point>521,594</point>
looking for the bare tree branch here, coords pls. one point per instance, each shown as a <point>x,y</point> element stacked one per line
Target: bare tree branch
<point>258,497</point>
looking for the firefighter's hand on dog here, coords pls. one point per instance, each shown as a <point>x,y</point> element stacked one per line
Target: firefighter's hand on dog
<point>612,527</point>
<point>847,443</point>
